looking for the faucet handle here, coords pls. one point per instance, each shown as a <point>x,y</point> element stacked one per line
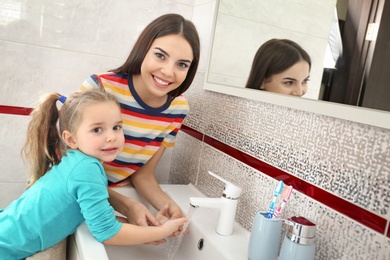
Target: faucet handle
<point>231,191</point>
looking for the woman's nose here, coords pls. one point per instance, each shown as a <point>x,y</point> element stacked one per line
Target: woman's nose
<point>298,91</point>
<point>167,69</point>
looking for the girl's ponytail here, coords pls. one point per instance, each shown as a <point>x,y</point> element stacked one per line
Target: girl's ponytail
<point>43,147</point>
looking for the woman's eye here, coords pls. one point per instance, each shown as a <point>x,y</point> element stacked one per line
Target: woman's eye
<point>288,82</point>
<point>183,65</point>
<point>160,55</point>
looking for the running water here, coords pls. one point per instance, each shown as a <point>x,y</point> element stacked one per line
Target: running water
<point>176,241</point>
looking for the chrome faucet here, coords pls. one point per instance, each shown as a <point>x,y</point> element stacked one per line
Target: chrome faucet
<point>227,206</point>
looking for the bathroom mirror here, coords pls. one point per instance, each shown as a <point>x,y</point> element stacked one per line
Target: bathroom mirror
<point>240,27</point>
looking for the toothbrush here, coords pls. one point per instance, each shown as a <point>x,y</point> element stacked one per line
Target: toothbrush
<point>286,194</point>
<point>277,191</point>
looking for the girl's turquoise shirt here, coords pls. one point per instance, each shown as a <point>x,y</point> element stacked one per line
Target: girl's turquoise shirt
<point>54,206</point>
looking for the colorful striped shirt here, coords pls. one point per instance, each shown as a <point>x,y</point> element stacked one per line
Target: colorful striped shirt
<point>145,128</point>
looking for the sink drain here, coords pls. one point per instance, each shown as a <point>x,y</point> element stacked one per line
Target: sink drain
<point>200,244</point>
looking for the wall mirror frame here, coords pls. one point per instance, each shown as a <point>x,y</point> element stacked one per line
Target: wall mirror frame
<point>362,115</point>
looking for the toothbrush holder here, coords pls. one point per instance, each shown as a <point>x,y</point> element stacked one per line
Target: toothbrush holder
<point>265,237</point>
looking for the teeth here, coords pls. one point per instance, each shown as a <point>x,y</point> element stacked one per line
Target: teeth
<point>159,81</point>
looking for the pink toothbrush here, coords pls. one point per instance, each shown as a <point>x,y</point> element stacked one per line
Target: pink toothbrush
<point>286,194</point>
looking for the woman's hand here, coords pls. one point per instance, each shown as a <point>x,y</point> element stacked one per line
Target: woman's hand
<point>139,215</point>
<point>135,212</point>
<point>171,211</point>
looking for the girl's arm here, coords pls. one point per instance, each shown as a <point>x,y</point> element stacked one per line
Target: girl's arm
<point>132,234</point>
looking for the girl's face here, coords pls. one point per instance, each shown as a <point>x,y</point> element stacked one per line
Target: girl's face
<point>164,69</point>
<point>292,81</point>
<point>100,133</point>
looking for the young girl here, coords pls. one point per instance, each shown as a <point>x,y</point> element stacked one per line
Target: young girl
<point>68,184</point>
<point>280,66</point>
<point>149,87</point>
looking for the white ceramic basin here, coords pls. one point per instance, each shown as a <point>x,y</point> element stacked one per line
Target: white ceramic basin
<point>202,242</point>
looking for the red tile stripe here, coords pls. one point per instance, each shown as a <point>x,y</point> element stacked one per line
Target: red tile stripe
<point>15,110</point>
<point>342,206</point>
<point>192,132</point>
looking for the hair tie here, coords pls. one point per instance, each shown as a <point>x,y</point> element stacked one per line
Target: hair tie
<point>62,99</point>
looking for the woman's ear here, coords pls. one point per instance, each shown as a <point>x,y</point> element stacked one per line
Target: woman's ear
<point>69,140</point>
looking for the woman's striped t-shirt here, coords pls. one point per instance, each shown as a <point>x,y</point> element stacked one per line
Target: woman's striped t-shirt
<point>145,128</point>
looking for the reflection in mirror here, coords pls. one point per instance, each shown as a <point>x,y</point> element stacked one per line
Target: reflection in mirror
<point>242,26</point>
<point>280,66</point>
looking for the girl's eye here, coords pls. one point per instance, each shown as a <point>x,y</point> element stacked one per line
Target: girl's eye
<point>97,130</point>
<point>117,128</point>
<point>288,82</point>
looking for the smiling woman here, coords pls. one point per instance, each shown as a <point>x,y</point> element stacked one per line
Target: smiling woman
<point>149,87</point>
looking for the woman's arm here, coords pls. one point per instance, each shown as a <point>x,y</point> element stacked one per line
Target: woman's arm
<point>146,184</point>
<point>135,212</point>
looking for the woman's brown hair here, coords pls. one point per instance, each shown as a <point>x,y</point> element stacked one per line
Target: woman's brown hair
<point>273,57</point>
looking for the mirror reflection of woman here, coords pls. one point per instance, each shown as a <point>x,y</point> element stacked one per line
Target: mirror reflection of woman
<point>280,66</point>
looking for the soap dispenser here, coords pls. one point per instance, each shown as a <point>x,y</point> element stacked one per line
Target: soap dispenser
<point>300,239</point>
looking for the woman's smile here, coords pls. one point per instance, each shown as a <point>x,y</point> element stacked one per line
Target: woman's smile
<point>160,82</point>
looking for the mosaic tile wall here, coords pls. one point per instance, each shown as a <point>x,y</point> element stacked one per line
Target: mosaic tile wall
<point>347,159</point>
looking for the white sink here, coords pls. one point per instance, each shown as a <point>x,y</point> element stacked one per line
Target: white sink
<point>202,242</point>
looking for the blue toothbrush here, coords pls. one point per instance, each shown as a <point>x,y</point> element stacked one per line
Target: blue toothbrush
<point>277,191</point>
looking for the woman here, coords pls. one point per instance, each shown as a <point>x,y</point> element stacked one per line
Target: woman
<point>280,66</point>
<point>160,67</point>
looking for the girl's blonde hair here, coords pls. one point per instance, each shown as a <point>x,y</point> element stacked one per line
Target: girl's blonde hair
<point>44,147</point>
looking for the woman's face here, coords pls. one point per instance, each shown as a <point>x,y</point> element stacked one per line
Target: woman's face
<point>292,81</point>
<point>164,69</point>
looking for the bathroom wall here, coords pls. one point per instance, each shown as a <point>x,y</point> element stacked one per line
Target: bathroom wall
<point>48,46</point>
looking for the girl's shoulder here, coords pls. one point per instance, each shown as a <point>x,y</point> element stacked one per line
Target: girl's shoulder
<point>74,157</point>
<point>77,161</point>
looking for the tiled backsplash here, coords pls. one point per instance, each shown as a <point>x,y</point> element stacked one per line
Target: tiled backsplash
<point>343,158</point>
